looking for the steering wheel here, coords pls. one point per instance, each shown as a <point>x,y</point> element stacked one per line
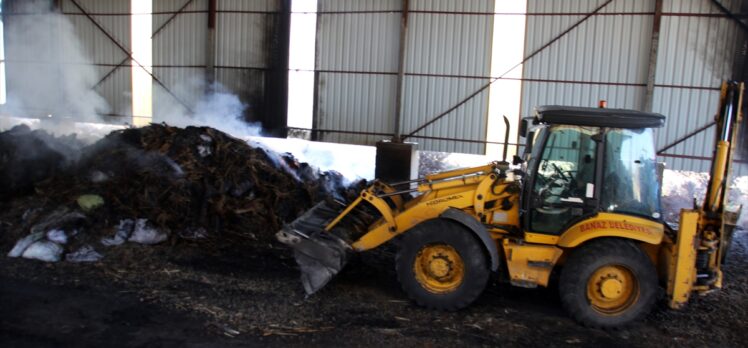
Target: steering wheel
<point>560,172</point>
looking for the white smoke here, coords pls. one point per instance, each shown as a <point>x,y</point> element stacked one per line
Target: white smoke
<point>48,70</point>
<point>211,105</point>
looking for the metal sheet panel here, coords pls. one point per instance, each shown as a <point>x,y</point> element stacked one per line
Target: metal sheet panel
<point>357,60</point>
<point>605,57</point>
<point>438,44</point>
<point>87,53</point>
<point>113,16</point>
<point>241,39</point>
<point>359,5</point>
<point>695,54</point>
<point>356,103</point>
<point>179,53</point>
<point>248,6</point>
<point>457,45</point>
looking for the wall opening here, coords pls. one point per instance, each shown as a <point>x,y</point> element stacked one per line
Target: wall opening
<point>301,63</point>
<point>505,94</point>
<point>142,54</point>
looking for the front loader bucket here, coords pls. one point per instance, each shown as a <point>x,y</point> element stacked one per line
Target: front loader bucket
<point>319,253</point>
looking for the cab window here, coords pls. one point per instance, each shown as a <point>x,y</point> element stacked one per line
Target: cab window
<point>630,182</point>
<point>564,179</point>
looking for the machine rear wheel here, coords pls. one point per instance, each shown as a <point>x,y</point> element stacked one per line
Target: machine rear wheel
<point>608,283</point>
<point>441,265</point>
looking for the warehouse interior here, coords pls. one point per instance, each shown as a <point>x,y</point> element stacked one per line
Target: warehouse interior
<point>151,149</point>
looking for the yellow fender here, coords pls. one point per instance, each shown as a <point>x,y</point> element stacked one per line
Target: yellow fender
<point>478,230</point>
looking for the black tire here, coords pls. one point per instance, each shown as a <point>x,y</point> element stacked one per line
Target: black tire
<point>594,259</point>
<point>439,233</point>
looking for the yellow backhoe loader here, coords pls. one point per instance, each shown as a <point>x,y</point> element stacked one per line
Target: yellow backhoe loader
<point>585,203</point>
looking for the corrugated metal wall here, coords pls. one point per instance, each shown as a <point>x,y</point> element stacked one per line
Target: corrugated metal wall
<point>179,53</point>
<point>447,59</point>
<point>696,53</point>
<point>356,63</point>
<point>607,57</point>
<point>100,54</point>
<point>246,43</point>
<point>104,53</point>
<point>242,50</point>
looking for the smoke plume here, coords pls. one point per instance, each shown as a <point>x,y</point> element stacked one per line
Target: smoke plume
<point>48,70</point>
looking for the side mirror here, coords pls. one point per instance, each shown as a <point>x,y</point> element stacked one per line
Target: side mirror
<point>529,142</point>
<point>524,125</point>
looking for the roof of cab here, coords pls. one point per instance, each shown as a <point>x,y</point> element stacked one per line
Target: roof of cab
<point>597,117</point>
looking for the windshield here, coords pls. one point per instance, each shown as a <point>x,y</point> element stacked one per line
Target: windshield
<point>630,176</point>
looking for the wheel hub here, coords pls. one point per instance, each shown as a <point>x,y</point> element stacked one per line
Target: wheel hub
<point>612,289</point>
<point>438,268</point>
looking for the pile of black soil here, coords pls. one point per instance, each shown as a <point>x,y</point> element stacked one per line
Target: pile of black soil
<point>29,157</point>
<point>194,182</point>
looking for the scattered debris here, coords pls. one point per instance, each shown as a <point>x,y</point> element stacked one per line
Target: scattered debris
<point>58,236</point>
<point>123,231</point>
<point>44,251</point>
<point>24,243</point>
<point>144,233</point>
<point>85,254</point>
<point>199,182</point>
<point>90,202</point>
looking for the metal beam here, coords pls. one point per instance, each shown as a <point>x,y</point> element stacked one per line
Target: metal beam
<point>401,71</point>
<point>156,32</point>
<point>127,52</point>
<point>210,60</point>
<point>174,15</point>
<point>524,60</point>
<point>652,69</point>
<point>686,137</point>
<point>730,15</point>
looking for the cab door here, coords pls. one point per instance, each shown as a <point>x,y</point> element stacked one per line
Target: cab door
<point>562,190</point>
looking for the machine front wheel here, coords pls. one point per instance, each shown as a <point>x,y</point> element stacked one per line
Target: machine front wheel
<point>608,283</point>
<point>441,265</point>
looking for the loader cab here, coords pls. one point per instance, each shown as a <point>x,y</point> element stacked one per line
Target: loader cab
<point>583,161</point>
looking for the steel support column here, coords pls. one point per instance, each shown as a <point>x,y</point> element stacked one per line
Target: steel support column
<point>210,57</point>
<point>652,69</point>
<point>396,136</point>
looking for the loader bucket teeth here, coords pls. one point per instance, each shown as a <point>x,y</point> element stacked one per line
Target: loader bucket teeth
<point>320,254</point>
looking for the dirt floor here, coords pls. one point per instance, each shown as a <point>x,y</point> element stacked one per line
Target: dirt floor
<point>217,277</point>
<point>188,296</point>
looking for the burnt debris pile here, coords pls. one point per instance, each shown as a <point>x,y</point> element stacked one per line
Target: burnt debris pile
<point>28,157</point>
<point>152,184</point>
